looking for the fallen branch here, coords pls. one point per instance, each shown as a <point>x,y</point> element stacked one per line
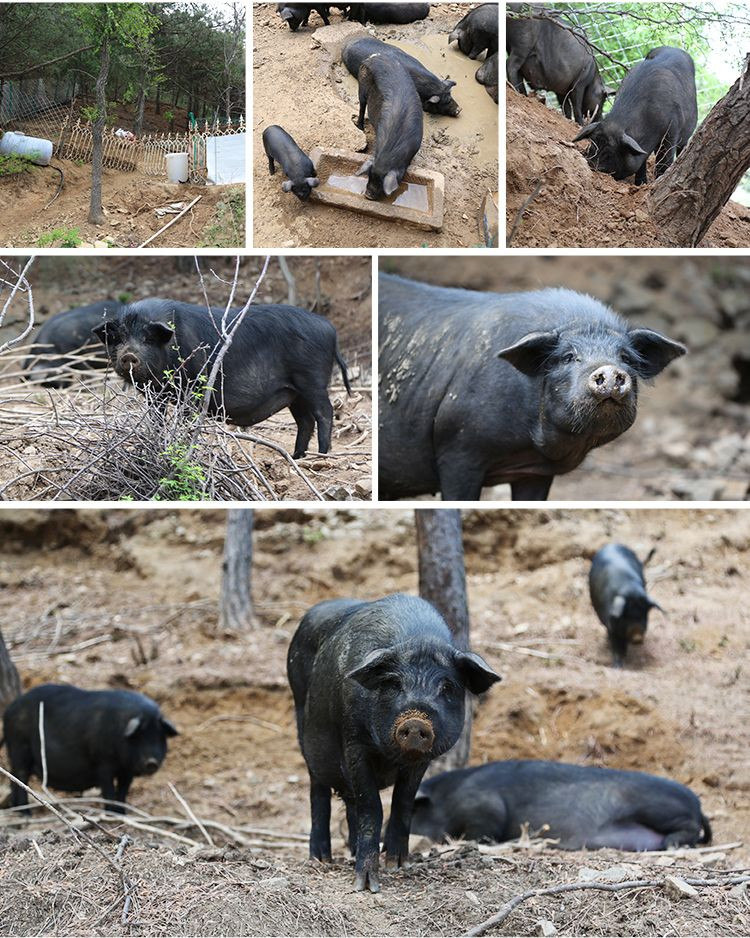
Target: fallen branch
<point>189,811</point>
<point>170,223</point>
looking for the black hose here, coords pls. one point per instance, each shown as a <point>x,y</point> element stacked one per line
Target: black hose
<point>59,188</point>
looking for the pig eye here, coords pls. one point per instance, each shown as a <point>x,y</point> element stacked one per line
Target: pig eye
<point>568,358</point>
<point>390,682</point>
<point>448,687</point>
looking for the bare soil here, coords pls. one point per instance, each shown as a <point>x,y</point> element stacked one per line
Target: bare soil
<point>299,83</point>
<point>564,203</point>
<point>344,296</point>
<point>129,200</point>
<point>128,599</point>
<point>691,439</point>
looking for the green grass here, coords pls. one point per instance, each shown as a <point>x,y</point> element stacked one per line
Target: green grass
<point>14,165</point>
<point>227,228</point>
<point>67,238</point>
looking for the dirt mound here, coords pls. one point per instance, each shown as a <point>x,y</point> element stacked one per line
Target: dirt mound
<point>563,203</point>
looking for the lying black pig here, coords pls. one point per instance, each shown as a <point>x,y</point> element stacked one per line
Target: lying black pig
<point>379,692</point>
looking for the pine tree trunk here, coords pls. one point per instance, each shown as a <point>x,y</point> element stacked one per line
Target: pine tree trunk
<point>442,582</point>
<point>686,200</point>
<point>10,685</point>
<point>140,102</point>
<point>236,593</point>
<point>96,212</point>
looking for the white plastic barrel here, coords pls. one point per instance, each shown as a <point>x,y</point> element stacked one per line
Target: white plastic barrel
<point>177,167</point>
<point>36,149</point>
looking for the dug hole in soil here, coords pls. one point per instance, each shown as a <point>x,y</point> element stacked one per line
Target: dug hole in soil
<point>300,84</point>
<point>691,438</point>
<point>129,599</point>
<point>570,205</point>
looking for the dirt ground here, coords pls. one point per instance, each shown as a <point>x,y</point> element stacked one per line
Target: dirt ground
<point>128,599</point>
<point>299,83</point>
<point>129,200</point>
<point>575,206</point>
<point>30,416</point>
<point>691,439</point>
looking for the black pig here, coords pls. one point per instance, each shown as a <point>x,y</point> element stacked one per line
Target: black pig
<point>388,12</point>
<point>297,14</point>
<point>434,92</point>
<point>395,111</point>
<point>297,165</point>
<point>618,594</point>
<point>281,356</point>
<point>100,738</point>
<point>655,111</point>
<point>584,807</point>
<point>454,418</point>
<point>379,691</point>
<point>477,31</point>
<point>62,335</point>
<point>486,75</point>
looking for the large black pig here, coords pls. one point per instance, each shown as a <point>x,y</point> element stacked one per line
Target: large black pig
<point>297,14</point>
<point>379,691</point>
<point>486,75</point>
<point>388,12</point>
<point>395,111</point>
<point>483,388</point>
<point>550,57</point>
<point>434,92</point>
<point>477,31</point>
<point>655,111</point>
<point>281,356</point>
<point>63,335</point>
<point>101,738</point>
<point>582,807</point>
<point>618,594</point>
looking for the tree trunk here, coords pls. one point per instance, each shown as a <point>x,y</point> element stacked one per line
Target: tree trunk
<point>686,200</point>
<point>140,102</point>
<point>442,582</point>
<point>10,685</point>
<point>157,102</point>
<point>236,594</point>
<point>96,212</point>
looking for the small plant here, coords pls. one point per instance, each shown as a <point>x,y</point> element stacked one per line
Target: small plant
<point>124,297</point>
<point>14,165</point>
<point>188,479</point>
<point>67,238</point>
<point>90,113</point>
<point>312,535</point>
<point>227,228</point>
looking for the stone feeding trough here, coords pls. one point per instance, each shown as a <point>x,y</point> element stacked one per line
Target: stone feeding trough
<point>418,200</point>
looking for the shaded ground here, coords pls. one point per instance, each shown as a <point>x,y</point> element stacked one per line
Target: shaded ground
<point>33,420</point>
<point>303,87</point>
<point>129,599</point>
<point>129,201</point>
<point>569,205</point>
<point>691,439</point>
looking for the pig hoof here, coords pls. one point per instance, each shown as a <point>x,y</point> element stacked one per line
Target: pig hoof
<point>364,881</point>
<point>391,863</point>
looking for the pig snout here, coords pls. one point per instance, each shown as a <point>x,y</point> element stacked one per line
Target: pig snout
<point>610,382</point>
<point>129,360</point>
<point>413,733</point>
<point>151,765</point>
<point>635,636</point>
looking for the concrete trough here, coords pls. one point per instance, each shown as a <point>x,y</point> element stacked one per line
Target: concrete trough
<point>418,200</point>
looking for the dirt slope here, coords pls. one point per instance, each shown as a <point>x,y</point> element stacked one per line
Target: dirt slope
<point>576,207</point>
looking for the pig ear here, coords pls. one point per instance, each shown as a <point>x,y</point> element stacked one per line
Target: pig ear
<point>364,168</point>
<point>286,186</point>
<point>586,132</point>
<point>132,725</point>
<point>448,83</point>
<point>159,332</point>
<point>370,672</point>
<point>286,14</point>
<point>313,182</point>
<point>654,605</point>
<point>169,728</point>
<point>632,145</point>
<point>618,607</point>
<point>434,99</point>
<point>390,183</point>
<point>107,332</point>
<point>654,350</point>
<point>530,353</point>
<point>477,676</point>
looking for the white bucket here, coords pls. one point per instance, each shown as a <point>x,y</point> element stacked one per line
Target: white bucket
<point>36,149</point>
<point>177,167</point>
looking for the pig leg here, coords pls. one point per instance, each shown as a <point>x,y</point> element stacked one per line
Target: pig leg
<point>320,811</point>
<point>305,421</point>
<point>22,766</point>
<point>369,821</point>
<point>322,411</point>
<point>359,121</point>
<point>513,73</point>
<point>399,823</point>
<point>531,490</point>
<point>271,167</point>
<point>351,824</point>
<point>641,176</point>
<point>123,787</point>
<point>109,792</point>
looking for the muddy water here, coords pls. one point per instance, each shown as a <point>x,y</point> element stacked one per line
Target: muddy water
<point>408,195</point>
<point>477,122</point>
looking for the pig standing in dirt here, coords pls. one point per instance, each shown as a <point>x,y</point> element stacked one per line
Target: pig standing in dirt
<point>583,807</point>
<point>98,738</point>
<point>379,692</point>
<point>618,593</point>
<point>483,388</point>
<point>655,111</point>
